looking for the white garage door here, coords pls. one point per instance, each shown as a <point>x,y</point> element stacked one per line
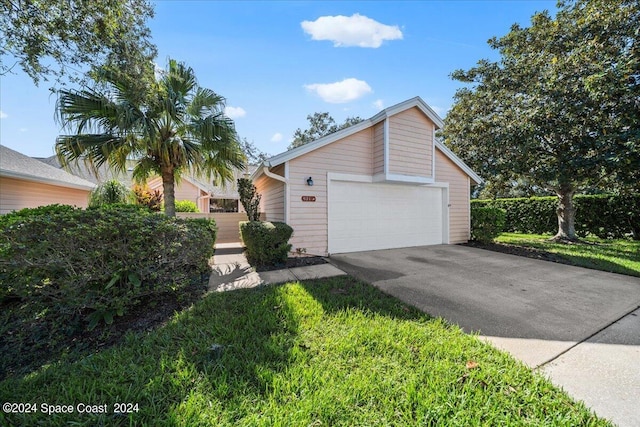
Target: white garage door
<point>366,216</point>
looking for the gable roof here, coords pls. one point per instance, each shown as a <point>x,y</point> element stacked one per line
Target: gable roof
<point>105,173</point>
<point>17,165</point>
<point>416,102</point>
<point>225,191</point>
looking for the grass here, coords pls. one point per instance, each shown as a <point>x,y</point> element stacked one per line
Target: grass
<point>334,352</point>
<point>617,256</point>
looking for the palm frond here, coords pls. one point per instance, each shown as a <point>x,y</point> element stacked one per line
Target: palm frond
<point>205,102</point>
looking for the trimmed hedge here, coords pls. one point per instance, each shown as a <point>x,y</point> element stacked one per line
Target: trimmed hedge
<point>603,215</point>
<point>266,242</point>
<point>486,223</point>
<point>86,266</point>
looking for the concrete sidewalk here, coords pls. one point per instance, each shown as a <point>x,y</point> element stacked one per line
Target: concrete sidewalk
<point>232,271</point>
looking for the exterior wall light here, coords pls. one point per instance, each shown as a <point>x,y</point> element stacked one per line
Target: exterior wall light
<point>310,182</point>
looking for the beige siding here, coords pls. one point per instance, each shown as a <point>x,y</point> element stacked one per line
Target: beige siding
<point>227,223</point>
<point>378,148</point>
<point>353,155</point>
<point>272,197</point>
<point>447,171</point>
<point>185,190</point>
<point>410,143</point>
<point>16,194</point>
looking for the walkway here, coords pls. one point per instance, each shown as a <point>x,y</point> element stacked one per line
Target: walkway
<point>232,271</point>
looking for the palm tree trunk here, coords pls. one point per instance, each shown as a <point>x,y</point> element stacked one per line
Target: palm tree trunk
<point>168,186</point>
<point>566,214</point>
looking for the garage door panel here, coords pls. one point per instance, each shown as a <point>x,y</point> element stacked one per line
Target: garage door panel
<point>369,216</point>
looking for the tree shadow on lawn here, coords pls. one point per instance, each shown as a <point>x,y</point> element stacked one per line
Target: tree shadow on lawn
<point>216,363</point>
<point>578,260</point>
<point>227,348</point>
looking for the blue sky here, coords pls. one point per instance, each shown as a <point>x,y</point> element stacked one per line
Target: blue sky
<point>277,62</point>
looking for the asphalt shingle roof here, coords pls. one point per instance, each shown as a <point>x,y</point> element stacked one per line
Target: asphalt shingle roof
<point>228,191</point>
<point>17,165</point>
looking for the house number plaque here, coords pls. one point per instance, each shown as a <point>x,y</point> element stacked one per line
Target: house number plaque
<point>308,198</point>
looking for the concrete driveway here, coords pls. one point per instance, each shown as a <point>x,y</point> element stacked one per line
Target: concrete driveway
<point>581,327</point>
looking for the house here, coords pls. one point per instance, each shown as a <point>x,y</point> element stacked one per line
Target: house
<point>386,182</point>
<point>28,183</point>
<point>207,196</point>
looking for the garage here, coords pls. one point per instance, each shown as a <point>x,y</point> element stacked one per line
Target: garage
<point>370,216</point>
<point>383,183</point>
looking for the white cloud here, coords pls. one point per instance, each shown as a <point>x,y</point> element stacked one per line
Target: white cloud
<point>340,92</point>
<point>3,115</point>
<point>354,30</point>
<point>378,104</point>
<point>23,129</point>
<point>234,112</point>
<point>277,137</point>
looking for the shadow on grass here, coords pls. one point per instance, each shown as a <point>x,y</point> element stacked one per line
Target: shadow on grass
<point>348,292</point>
<point>228,348</point>
<point>540,251</point>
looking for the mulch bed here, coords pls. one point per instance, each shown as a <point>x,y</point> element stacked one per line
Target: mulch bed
<point>292,262</point>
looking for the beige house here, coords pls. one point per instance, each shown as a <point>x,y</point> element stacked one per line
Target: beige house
<point>28,183</point>
<point>386,182</point>
<point>207,196</point>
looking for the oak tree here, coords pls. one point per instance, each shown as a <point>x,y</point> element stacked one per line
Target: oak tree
<point>64,39</point>
<point>561,107</point>
<point>320,124</point>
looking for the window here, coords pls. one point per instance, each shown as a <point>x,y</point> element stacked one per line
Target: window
<point>223,205</point>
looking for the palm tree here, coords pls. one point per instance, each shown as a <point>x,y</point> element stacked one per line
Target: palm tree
<point>180,128</point>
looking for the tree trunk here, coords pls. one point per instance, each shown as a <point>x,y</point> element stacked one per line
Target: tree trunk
<point>566,215</point>
<point>168,187</point>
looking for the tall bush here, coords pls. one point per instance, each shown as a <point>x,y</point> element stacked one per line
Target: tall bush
<point>486,223</point>
<point>266,242</point>
<point>250,198</point>
<point>605,216</point>
<point>94,264</point>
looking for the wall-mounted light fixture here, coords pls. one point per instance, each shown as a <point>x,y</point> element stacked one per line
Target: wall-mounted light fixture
<point>310,182</point>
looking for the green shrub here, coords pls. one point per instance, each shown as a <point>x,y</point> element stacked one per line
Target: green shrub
<point>266,242</point>
<point>186,206</point>
<point>208,225</point>
<point>85,266</point>
<point>250,198</point>
<point>605,216</point>
<point>486,223</point>
<point>109,192</point>
<point>14,216</point>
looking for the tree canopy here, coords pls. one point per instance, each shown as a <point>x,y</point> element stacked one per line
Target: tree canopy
<point>320,124</point>
<point>66,38</point>
<point>560,109</point>
<point>180,127</point>
<point>254,154</point>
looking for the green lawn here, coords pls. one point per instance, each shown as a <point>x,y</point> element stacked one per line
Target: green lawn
<point>618,256</point>
<point>328,352</point>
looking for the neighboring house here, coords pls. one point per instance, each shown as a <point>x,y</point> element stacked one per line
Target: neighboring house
<point>28,183</point>
<point>386,182</point>
<point>208,197</point>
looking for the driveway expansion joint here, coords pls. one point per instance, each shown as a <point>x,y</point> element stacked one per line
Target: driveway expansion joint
<point>543,364</point>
